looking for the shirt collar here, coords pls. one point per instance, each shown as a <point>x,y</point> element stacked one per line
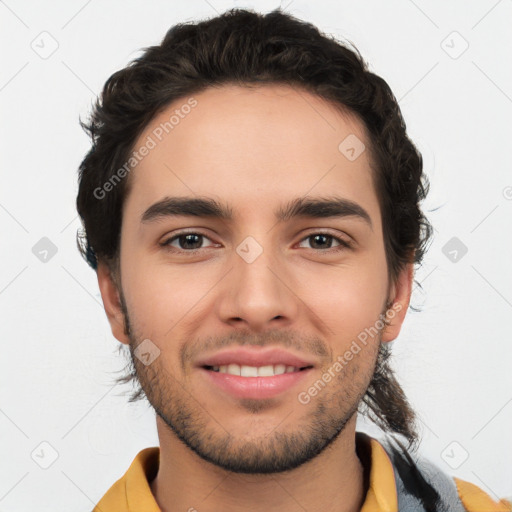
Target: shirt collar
<point>134,488</point>
<point>381,495</point>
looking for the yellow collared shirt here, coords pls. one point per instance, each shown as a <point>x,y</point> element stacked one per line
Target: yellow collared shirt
<point>132,493</point>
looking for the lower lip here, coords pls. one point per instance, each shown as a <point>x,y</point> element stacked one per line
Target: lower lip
<point>256,387</point>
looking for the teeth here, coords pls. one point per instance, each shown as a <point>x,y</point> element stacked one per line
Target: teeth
<point>245,371</point>
<point>254,371</point>
<point>266,371</point>
<point>281,368</point>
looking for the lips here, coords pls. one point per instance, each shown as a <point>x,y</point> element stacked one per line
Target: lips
<point>255,388</point>
<point>255,357</point>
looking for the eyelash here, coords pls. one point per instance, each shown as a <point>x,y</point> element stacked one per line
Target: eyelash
<point>344,244</point>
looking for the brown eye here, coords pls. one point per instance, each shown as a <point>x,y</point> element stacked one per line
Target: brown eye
<point>186,242</point>
<point>323,241</point>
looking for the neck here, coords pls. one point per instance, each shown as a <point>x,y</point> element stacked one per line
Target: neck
<point>332,482</point>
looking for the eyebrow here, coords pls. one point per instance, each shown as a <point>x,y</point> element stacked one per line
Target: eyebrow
<point>313,207</point>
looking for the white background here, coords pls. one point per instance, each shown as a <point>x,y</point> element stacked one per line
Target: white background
<point>58,357</point>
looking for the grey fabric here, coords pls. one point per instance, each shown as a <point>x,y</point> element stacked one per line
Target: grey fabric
<point>441,481</point>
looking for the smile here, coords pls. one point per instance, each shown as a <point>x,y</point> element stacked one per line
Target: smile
<point>255,371</point>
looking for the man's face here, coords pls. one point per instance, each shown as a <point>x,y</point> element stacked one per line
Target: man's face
<point>289,285</point>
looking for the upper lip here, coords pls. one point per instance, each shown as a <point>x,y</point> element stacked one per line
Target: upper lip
<point>261,357</point>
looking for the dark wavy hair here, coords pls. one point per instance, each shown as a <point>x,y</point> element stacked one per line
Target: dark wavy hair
<point>246,48</point>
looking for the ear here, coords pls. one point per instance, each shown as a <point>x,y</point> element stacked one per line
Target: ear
<point>401,296</point>
<point>112,302</point>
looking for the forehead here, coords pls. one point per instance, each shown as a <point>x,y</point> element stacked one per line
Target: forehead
<point>267,142</point>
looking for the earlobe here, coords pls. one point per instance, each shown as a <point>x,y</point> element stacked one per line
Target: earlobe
<point>112,302</point>
<point>401,296</point>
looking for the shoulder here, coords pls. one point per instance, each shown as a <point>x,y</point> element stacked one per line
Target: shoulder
<point>132,491</point>
<point>421,479</point>
<point>114,498</point>
<point>475,499</point>
<point>472,497</point>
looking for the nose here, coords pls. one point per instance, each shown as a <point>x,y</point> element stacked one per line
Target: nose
<point>257,294</point>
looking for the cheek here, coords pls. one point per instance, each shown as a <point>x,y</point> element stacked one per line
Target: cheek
<point>162,298</point>
<point>348,299</point>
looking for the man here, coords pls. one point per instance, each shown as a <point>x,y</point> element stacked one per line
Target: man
<point>251,207</point>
